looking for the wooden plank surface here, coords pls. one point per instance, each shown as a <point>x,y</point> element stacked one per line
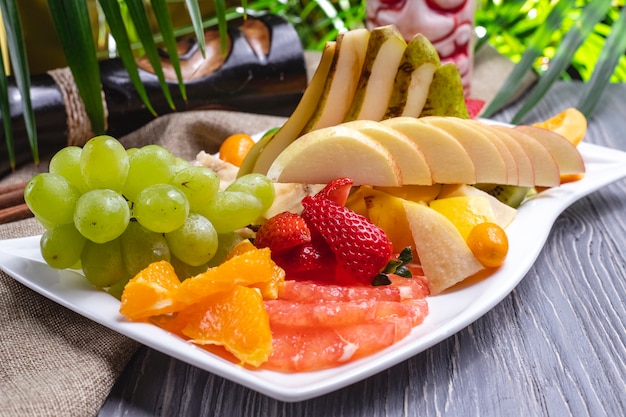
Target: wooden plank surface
<point>554,347</point>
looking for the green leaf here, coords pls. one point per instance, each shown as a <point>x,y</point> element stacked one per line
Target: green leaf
<point>222,28</point>
<point>591,15</point>
<point>540,39</point>
<point>137,13</point>
<point>113,14</point>
<point>165,25</point>
<point>5,110</point>
<point>73,26</point>
<point>614,49</point>
<point>17,52</point>
<point>196,21</point>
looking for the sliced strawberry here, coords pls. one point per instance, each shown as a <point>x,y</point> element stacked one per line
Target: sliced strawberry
<point>361,248</point>
<point>281,232</point>
<point>337,190</point>
<point>307,261</point>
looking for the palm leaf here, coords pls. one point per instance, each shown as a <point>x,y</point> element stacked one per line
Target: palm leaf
<point>71,19</point>
<point>5,110</point>
<point>196,21</point>
<point>117,26</point>
<point>220,12</point>
<point>139,18</point>
<point>167,31</point>
<point>590,16</point>
<point>17,52</point>
<point>614,49</point>
<point>536,45</point>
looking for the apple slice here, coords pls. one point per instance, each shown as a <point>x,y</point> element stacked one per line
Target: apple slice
<point>564,152</point>
<point>342,80</point>
<point>525,170</point>
<point>410,159</point>
<point>449,162</point>
<point>487,158</point>
<point>444,256</point>
<point>412,79</point>
<point>323,155</point>
<point>544,165</point>
<point>263,153</point>
<point>384,51</point>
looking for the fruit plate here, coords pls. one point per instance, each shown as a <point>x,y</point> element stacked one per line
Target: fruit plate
<point>449,312</point>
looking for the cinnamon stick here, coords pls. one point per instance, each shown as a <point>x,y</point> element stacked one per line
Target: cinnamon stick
<point>15,213</point>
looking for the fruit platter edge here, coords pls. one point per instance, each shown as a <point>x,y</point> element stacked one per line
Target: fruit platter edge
<point>450,312</point>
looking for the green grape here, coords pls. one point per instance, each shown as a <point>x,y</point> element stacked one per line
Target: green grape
<point>117,289</point>
<point>149,165</point>
<point>103,264</point>
<point>61,246</point>
<point>256,184</point>
<point>66,163</point>
<point>226,242</point>
<point>51,198</point>
<point>180,164</point>
<point>141,247</point>
<point>200,184</point>
<point>104,163</point>
<point>101,215</point>
<point>161,208</point>
<point>232,210</point>
<point>184,271</point>
<point>195,242</point>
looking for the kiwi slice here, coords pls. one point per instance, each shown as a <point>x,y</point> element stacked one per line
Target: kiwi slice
<point>511,195</point>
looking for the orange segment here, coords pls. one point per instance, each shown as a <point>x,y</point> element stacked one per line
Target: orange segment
<point>570,123</point>
<point>236,319</point>
<point>240,248</point>
<point>151,292</point>
<point>250,268</point>
<point>235,148</point>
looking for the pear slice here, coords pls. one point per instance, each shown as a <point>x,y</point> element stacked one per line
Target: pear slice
<point>525,170</point>
<point>412,80</point>
<point>444,256</point>
<point>544,165</point>
<point>410,159</point>
<point>448,160</point>
<point>340,86</point>
<point>323,155</point>
<point>384,51</point>
<point>262,154</point>
<point>565,152</point>
<point>446,96</point>
<point>486,156</point>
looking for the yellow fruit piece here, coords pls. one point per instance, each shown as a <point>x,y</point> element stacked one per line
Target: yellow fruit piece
<point>251,268</point>
<point>151,292</point>
<point>235,319</point>
<point>465,212</point>
<point>235,148</point>
<point>570,123</point>
<point>489,244</point>
<point>387,212</point>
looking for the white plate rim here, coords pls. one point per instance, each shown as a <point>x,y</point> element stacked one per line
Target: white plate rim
<point>449,312</point>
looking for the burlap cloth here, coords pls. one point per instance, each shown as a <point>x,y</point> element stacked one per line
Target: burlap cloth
<point>54,362</point>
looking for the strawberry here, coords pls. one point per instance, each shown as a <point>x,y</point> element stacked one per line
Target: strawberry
<point>281,232</point>
<point>361,248</point>
<point>337,190</point>
<point>308,261</point>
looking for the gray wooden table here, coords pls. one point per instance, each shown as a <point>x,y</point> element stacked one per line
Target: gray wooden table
<point>556,346</point>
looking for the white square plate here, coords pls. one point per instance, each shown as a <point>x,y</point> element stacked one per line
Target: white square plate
<point>449,312</point>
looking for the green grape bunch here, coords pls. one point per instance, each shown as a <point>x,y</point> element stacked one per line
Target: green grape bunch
<point>112,211</point>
